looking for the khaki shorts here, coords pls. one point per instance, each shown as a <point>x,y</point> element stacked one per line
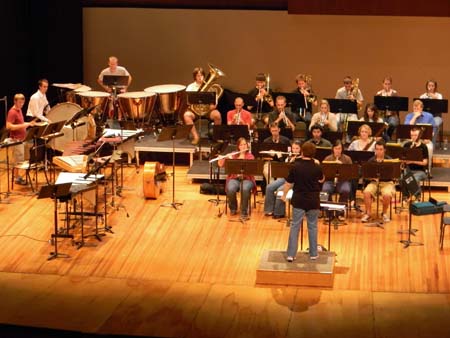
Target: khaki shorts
<point>386,188</point>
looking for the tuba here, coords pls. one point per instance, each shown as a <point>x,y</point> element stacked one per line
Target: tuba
<point>209,86</point>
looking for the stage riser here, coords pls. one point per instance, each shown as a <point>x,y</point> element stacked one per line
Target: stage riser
<point>275,270</point>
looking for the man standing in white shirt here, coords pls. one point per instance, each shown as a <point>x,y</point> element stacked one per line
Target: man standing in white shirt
<point>38,105</point>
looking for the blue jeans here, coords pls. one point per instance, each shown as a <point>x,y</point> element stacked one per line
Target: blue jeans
<point>392,121</point>
<point>343,188</point>
<point>233,187</point>
<point>438,124</point>
<point>311,219</point>
<point>272,204</point>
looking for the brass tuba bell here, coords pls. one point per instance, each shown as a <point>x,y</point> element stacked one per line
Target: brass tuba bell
<point>209,86</point>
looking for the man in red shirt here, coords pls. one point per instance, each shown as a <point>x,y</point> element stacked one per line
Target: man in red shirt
<point>239,115</point>
<point>17,130</point>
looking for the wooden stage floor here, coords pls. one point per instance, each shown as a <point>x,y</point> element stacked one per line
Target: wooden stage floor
<point>190,273</point>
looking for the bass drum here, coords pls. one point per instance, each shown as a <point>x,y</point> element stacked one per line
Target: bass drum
<point>64,112</point>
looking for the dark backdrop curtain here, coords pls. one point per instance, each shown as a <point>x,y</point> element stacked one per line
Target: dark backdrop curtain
<point>40,39</point>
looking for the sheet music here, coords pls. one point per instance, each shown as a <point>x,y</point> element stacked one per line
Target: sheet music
<point>332,206</point>
<point>77,178</point>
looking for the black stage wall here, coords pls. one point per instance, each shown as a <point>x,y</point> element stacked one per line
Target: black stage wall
<point>40,39</point>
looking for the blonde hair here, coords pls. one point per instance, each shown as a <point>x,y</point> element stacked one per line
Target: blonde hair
<point>365,126</point>
<point>18,97</point>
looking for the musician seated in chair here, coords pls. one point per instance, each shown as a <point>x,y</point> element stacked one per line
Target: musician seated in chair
<point>324,118</point>
<point>274,206</point>
<point>418,116</point>
<point>343,188</point>
<point>263,99</point>
<point>282,115</point>
<point>17,131</point>
<point>304,88</point>
<point>234,181</point>
<point>386,188</point>
<point>317,139</point>
<point>417,168</point>
<point>189,116</point>
<point>364,142</point>
<point>390,117</point>
<point>350,91</point>
<point>239,115</point>
<point>432,93</point>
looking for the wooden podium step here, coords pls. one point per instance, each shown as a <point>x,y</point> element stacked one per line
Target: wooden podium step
<point>274,269</point>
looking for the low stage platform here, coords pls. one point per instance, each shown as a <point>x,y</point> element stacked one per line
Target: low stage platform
<point>149,143</point>
<point>274,270</point>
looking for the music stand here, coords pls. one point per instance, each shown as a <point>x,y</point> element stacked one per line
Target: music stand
<point>174,133</point>
<point>391,103</point>
<point>434,106</point>
<point>230,132</point>
<point>56,191</point>
<point>115,80</point>
<point>383,171</point>
<point>243,167</point>
<point>201,98</point>
<point>359,156</point>
<point>281,169</point>
<point>296,102</point>
<point>337,172</point>
<point>404,131</point>
<point>264,133</point>
<point>353,127</point>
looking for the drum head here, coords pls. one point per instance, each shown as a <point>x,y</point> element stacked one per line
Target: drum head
<point>64,112</point>
<point>169,99</point>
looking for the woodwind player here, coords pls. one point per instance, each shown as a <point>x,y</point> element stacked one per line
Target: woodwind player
<point>386,188</point>
<point>233,182</point>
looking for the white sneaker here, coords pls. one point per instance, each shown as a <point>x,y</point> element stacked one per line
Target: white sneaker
<point>386,218</point>
<point>290,259</point>
<point>365,218</point>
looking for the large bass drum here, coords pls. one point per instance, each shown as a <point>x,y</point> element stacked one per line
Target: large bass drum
<point>137,106</point>
<point>170,100</point>
<point>64,112</point>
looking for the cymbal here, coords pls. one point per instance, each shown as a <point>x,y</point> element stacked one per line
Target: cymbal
<point>71,86</point>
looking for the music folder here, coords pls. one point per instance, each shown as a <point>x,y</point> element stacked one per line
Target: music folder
<point>115,80</point>
<point>344,106</point>
<point>201,97</point>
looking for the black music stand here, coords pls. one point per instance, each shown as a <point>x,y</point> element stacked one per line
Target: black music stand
<point>281,169</point>
<point>404,131</point>
<point>297,103</point>
<point>243,167</point>
<point>343,106</point>
<point>380,171</point>
<point>391,103</point>
<point>321,153</point>
<point>174,133</point>
<point>359,156</point>
<point>353,127</point>
<point>115,80</point>
<point>230,132</point>
<point>264,133</point>
<point>56,191</point>
<point>201,98</point>
<point>434,106</point>
<point>336,173</point>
